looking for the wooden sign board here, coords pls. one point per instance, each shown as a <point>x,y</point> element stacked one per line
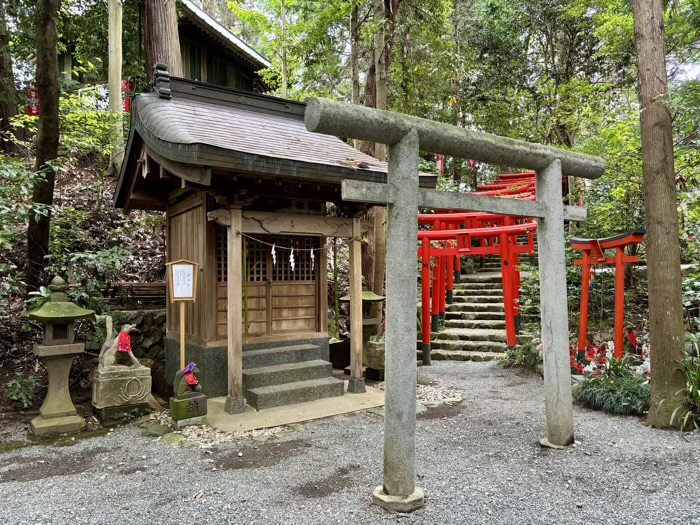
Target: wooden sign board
<point>183,277</point>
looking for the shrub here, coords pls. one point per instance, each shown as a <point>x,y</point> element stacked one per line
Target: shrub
<point>526,356</point>
<point>615,394</point>
<point>690,412</point>
<point>22,389</point>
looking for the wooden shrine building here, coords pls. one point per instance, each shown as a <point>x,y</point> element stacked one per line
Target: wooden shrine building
<point>237,174</point>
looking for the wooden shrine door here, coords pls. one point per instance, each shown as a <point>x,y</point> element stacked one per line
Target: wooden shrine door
<point>279,296</point>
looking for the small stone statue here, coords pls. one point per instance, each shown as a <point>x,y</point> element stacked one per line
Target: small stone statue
<point>121,344</point>
<point>186,380</point>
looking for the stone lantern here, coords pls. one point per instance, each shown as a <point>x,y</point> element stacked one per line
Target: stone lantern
<point>372,354</point>
<point>57,414</point>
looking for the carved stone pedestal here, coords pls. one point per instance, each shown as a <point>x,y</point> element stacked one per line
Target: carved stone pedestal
<point>189,408</point>
<point>57,414</point>
<point>121,386</point>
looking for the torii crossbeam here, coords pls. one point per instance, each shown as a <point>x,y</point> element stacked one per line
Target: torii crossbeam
<point>406,136</point>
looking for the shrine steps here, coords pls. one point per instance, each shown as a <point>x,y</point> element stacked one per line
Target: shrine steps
<point>286,375</point>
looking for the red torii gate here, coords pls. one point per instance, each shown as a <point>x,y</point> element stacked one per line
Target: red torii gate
<point>594,253</point>
<point>507,248</point>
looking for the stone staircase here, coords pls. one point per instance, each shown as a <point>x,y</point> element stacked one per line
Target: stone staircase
<point>475,324</point>
<point>286,375</point>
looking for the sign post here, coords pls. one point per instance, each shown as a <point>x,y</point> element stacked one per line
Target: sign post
<point>183,277</point>
<point>188,406</point>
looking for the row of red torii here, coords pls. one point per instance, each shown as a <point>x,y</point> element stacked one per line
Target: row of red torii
<point>498,235</point>
<point>494,235</point>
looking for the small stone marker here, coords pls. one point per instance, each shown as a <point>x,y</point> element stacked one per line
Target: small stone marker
<point>57,414</point>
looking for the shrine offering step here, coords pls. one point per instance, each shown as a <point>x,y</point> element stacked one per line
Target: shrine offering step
<point>287,375</point>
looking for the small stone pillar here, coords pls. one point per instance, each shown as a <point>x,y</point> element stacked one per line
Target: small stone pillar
<point>57,414</point>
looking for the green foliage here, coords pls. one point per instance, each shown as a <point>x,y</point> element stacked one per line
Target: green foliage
<point>689,413</point>
<point>22,389</point>
<point>526,356</point>
<point>615,394</point>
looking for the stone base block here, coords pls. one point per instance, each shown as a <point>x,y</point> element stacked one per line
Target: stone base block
<point>56,425</point>
<point>118,386</point>
<point>114,413</point>
<point>187,406</point>
<point>182,423</point>
<point>357,386</point>
<point>399,503</point>
<point>234,405</point>
<point>375,374</point>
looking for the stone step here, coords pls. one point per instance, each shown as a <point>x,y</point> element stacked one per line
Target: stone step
<point>496,291</point>
<point>286,373</point>
<point>451,355</point>
<point>484,277</point>
<point>281,355</point>
<point>475,307</point>
<point>475,324</point>
<point>469,298</point>
<point>471,287</point>
<point>473,316</point>
<point>472,346</point>
<point>472,334</point>
<point>291,393</point>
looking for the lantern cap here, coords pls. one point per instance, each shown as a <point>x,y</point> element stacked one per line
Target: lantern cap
<point>58,308</point>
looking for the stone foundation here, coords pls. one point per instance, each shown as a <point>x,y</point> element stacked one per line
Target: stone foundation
<point>213,361</point>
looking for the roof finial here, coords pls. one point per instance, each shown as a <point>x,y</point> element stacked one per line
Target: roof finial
<point>160,82</point>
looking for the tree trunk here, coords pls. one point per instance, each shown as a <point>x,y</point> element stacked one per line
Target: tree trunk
<point>8,93</point>
<point>354,65</point>
<point>379,214</point>
<point>161,36</point>
<point>663,250</point>
<point>47,137</point>
<point>114,78</point>
<point>283,9</point>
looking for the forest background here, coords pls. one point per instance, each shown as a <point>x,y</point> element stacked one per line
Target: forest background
<point>546,71</point>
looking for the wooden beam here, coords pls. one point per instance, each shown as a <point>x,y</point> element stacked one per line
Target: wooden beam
<point>190,172</point>
<point>356,381</point>
<point>322,272</point>
<point>256,222</point>
<point>235,403</point>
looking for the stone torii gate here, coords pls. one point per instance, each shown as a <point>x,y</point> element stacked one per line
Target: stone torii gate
<point>406,136</point>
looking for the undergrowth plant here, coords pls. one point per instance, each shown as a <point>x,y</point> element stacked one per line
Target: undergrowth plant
<point>618,390</point>
<point>526,356</point>
<point>689,413</point>
<point>22,389</point>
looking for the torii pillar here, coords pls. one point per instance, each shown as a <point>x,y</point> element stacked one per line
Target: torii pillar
<point>406,136</point>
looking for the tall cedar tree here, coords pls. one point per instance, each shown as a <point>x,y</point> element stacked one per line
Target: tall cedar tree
<point>8,93</point>
<point>47,137</point>
<point>663,250</point>
<point>161,37</point>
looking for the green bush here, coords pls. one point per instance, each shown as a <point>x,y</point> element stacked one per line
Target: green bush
<point>527,356</point>
<point>615,394</point>
<point>690,412</point>
<point>22,389</point>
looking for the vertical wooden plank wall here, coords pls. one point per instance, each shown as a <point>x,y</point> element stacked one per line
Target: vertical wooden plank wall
<point>187,239</point>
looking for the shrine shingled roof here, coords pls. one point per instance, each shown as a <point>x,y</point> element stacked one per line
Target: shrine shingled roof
<point>240,132</point>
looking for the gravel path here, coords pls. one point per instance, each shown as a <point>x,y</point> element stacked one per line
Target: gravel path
<point>478,461</point>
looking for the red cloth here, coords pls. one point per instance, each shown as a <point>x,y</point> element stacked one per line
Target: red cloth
<point>633,338</point>
<point>191,379</point>
<point>124,342</point>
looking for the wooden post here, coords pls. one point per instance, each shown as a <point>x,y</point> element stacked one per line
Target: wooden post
<point>357,383</point>
<point>507,280</point>
<point>583,319</point>
<point>182,335</point>
<point>619,303</point>
<point>235,403</point>
<point>425,300</point>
